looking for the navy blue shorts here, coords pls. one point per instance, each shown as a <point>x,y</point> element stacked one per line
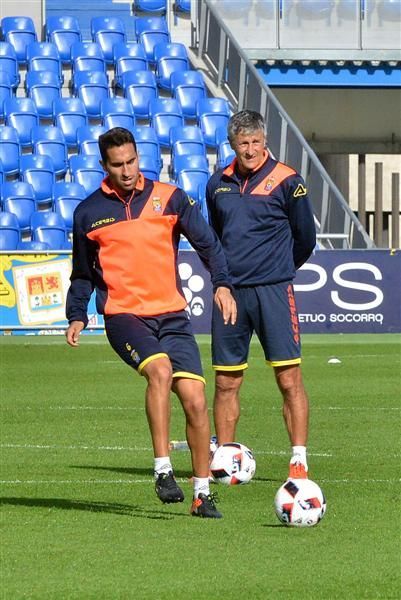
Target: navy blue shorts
<point>270,312</point>
<point>139,340</point>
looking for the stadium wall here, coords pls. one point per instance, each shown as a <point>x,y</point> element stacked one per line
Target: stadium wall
<point>339,291</point>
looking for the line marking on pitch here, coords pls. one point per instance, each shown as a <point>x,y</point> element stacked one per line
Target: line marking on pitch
<point>141,408</point>
<point>180,480</point>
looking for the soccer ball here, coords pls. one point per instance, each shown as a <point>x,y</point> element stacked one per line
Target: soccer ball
<point>300,503</point>
<point>232,464</point>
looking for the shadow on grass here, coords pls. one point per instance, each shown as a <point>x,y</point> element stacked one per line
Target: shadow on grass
<point>128,510</point>
<point>130,470</point>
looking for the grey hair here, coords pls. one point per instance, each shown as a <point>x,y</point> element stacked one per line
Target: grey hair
<point>245,121</point>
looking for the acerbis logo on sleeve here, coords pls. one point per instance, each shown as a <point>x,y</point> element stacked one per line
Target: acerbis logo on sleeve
<point>300,191</point>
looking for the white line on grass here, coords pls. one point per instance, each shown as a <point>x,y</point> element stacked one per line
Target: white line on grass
<point>140,408</point>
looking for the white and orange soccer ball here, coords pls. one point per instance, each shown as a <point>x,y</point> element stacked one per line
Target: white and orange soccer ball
<point>300,503</point>
<point>233,464</point>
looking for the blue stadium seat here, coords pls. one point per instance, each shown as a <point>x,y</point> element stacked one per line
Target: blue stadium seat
<point>31,245</point>
<point>183,6</point>
<point>188,87</point>
<point>65,207</point>
<point>151,32</point>
<point>50,141</point>
<point>193,182</point>
<point>44,56</point>
<point>224,155</point>
<point>169,58</point>
<point>187,140</point>
<point>151,23</point>
<point>128,57</point>
<point>6,90</point>
<point>9,63</point>
<point>149,166</point>
<point>108,31</point>
<point>212,113</point>
<point>151,6</point>
<point>22,114</point>
<point>87,56</point>
<point>185,162</point>
<point>1,173</point>
<point>44,88</point>
<point>10,235</point>
<point>19,32</point>
<point>67,190</point>
<point>38,170</point>
<point>117,112</point>
<point>140,88</point>
<point>91,88</point>
<point>165,113</point>
<point>63,31</point>
<point>10,150</point>
<point>49,227</point>
<point>69,114</point>
<point>147,143</point>
<point>18,197</point>
<point>87,171</point>
<point>88,139</point>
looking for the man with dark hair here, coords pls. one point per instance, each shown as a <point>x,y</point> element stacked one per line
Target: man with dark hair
<point>125,245</point>
<point>260,211</point>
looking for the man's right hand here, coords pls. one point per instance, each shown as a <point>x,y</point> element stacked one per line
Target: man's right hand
<point>73,332</point>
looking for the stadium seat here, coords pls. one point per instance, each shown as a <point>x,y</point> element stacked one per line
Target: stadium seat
<point>165,113</point>
<point>187,139</point>
<point>107,31</point>
<point>188,87</point>
<point>67,190</point>
<point>87,56</point>
<point>10,150</point>
<point>117,112</point>
<point>69,114</point>
<point>65,208</point>
<point>140,88</point>
<point>184,162</point>
<point>169,58</point>
<point>31,245</point>
<point>147,143</point>
<point>22,114</point>
<point>152,31</point>
<point>151,6</point>
<point>38,170</point>
<point>18,197</point>
<point>6,90</point>
<point>88,139</point>
<point>63,31</point>
<point>50,141</point>
<point>224,155</point>
<point>183,6</point>
<point>44,88</point>
<point>87,171</point>
<point>44,56</point>
<point>19,32</point>
<point>149,166</point>
<point>1,173</point>
<point>10,235</point>
<point>193,182</point>
<point>212,113</point>
<point>128,57</point>
<point>91,88</point>
<point>9,63</point>
<point>49,227</point>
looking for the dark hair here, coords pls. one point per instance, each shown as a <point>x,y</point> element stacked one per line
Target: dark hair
<point>118,136</point>
<point>245,121</point>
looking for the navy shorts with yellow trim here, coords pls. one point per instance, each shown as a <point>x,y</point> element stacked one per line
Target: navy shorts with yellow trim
<point>138,340</point>
<point>270,312</point>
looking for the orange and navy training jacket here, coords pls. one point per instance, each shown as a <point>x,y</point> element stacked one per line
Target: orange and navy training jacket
<point>127,250</point>
<point>264,221</point>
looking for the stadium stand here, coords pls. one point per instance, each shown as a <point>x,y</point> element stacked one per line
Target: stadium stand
<point>20,32</point>
<point>10,150</point>
<point>63,31</point>
<point>18,197</point>
<point>108,31</point>
<point>22,115</point>
<point>38,170</point>
<point>10,235</point>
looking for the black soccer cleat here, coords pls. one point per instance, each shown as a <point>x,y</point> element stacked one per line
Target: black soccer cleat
<point>167,489</point>
<point>205,507</point>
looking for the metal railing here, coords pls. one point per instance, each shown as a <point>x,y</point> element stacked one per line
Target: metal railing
<point>336,224</point>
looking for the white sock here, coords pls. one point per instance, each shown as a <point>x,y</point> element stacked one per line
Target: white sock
<point>299,455</point>
<point>162,465</point>
<point>201,486</point>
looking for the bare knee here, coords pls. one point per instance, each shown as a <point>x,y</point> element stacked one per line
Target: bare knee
<point>159,373</point>
<point>228,384</point>
<point>289,380</point>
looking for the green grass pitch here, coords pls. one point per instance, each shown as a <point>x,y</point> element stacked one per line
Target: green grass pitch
<point>80,518</point>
